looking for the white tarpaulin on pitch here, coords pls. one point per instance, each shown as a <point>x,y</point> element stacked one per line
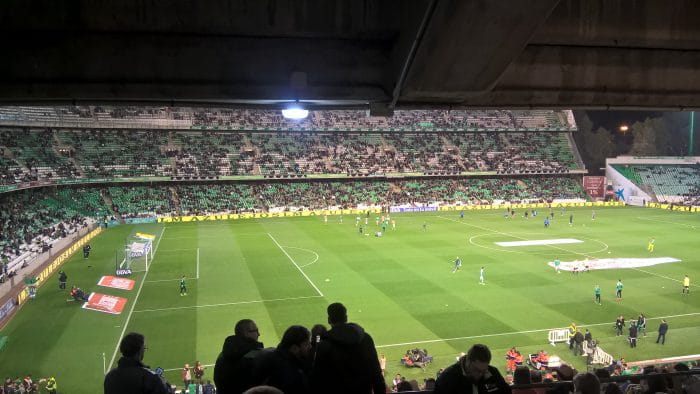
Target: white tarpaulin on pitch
<point>557,241</point>
<point>603,264</point>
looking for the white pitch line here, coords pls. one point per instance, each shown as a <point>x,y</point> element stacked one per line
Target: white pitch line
<point>197,263</point>
<point>665,221</point>
<point>168,280</point>
<point>133,304</point>
<point>225,304</point>
<point>519,332</point>
<point>295,264</point>
<point>663,276</point>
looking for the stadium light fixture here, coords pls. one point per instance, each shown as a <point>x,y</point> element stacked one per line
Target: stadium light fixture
<point>295,111</point>
<point>624,128</point>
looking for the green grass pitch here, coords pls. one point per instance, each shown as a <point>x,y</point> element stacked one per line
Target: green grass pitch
<point>399,287</point>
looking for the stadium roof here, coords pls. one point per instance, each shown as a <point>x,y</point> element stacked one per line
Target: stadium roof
<point>348,53</point>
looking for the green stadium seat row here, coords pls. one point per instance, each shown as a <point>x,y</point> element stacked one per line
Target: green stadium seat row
<point>99,153</point>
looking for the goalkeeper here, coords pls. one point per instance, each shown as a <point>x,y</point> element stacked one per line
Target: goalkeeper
<point>183,286</point>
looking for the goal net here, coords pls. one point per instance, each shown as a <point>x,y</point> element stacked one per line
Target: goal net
<point>136,255</point>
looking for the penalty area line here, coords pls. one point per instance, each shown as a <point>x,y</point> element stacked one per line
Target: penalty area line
<point>226,304</point>
<point>133,304</point>
<point>295,264</point>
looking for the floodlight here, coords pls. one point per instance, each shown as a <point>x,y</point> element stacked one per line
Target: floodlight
<point>295,112</point>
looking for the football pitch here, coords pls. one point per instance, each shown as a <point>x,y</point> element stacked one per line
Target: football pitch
<point>400,287</point>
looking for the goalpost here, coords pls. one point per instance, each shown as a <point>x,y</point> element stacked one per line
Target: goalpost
<point>136,255</point>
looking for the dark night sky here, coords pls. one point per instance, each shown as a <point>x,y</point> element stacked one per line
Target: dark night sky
<point>612,120</point>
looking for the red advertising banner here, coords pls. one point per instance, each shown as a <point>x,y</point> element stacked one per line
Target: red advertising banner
<point>116,282</point>
<point>105,303</point>
<point>594,186</point>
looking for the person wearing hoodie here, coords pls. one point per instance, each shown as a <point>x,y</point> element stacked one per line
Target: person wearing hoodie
<point>346,360</point>
<point>285,367</point>
<point>131,376</point>
<point>234,366</point>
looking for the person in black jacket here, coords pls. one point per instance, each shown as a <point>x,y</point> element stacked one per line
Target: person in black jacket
<point>285,367</point>
<point>578,343</point>
<point>346,360</point>
<point>472,374</point>
<point>234,366</point>
<point>131,376</point>
<point>633,334</point>
<point>663,329</point>
<point>619,325</point>
<point>62,278</point>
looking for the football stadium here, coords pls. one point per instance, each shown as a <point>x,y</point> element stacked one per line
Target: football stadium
<point>352,241</point>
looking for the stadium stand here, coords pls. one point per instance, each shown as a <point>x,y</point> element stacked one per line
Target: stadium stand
<point>670,183</point>
<point>31,220</point>
<point>101,153</point>
<point>134,201</point>
<point>197,199</point>
<point>116,153</point>
<point>34,150</point>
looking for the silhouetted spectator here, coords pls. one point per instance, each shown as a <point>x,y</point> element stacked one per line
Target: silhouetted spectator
<point>472,374</point>
<point>131,376</point>
<point>586,383</point>
<point>285,367</point>
<point>234,366</point>
<point>346,360</point>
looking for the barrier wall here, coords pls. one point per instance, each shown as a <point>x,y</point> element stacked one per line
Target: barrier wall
<point>262,215</point>
<point>532,206</point>
<point>673,207</point>
<point>321,212</point>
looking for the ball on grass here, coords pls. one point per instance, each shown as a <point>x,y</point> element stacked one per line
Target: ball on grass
<point>328,280</point>
<point>609,252</point>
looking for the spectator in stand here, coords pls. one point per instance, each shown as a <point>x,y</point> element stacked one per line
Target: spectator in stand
<point>131,375</point>
<point>564,374</point>
<point>285,367</point>
<point>208,388</point>
<point>522,376</point>
<point>472,374</point>
<point>586,383</point>
<point>262,390</point>
<point>346,360</point>
<point>234,366</point>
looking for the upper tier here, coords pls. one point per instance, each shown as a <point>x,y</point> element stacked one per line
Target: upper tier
<point>177,118</point>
